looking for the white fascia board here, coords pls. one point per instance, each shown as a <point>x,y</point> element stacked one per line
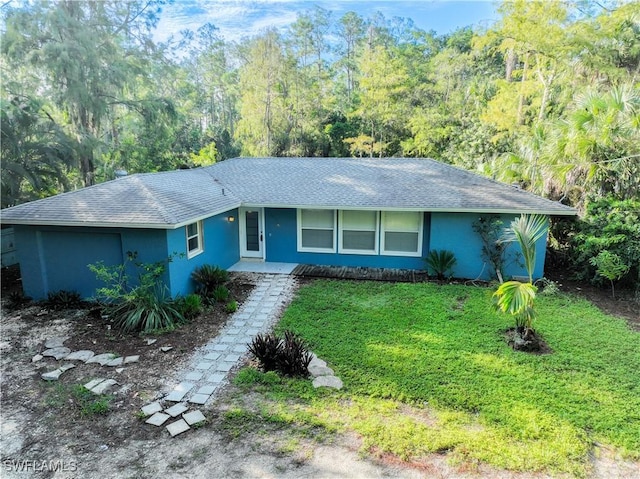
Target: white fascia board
<point>571,212</point>
<point>204,217</point>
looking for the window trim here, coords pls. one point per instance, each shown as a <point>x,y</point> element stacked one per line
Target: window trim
<point>303,249</point>
<point>383,232</point>
<point>199,235</point>
<point>376,231</point>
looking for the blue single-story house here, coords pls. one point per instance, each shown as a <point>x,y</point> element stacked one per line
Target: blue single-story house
<point>385,213</point>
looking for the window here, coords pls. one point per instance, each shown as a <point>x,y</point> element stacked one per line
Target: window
<point>194,239</point>
<point>316,231</point>
<point>358,232</point>
<point>402,233</point>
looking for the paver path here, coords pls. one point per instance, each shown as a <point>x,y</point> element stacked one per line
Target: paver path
<point>210,365</point>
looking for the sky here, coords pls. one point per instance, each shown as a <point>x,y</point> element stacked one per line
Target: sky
<point>236,19</point>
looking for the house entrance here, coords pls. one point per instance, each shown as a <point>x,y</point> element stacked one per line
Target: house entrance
<point>252,233</point>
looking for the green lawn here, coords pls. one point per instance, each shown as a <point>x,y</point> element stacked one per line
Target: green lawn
<point>426,369</point>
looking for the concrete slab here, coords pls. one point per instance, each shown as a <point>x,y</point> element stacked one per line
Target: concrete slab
<point>221,347</point>
<point>232,358</point>
<point>240,348</point>
<point>216,378</point>
<point>93,383</point>
<point>232,331</point>
<point>204,365</point>
<point>212,356</point>
<point>194,417</point>
<point>83,355</point>
<point>101,359</point>
<point>327,382</point>
<point>131,359</point>
<point>178,427</point>
<point>179,392</point>
<point>225,367</point>
<point>57,353</point>
<point>158,419</point>
<point>37,358</point>
<point>103,386</point>
<point>56,373</point>
<point>152,408</point>
<point>115,362</point>
<point>194,376</point>
<point>207,389</point>
<point>166,349</point>
<point>199,398</point>
<point>227,339</point>
<point>177,409</point>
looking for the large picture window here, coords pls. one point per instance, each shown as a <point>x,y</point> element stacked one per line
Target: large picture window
<point>316,231</point>
<point>195,243</point>
<point>402,233</point>
<point>358,232</point>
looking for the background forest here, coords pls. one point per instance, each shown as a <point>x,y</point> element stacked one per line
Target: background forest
<point>548,97</point>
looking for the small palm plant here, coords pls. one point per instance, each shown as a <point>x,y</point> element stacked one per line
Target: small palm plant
<point>441,262</point>
<point>515,297</point>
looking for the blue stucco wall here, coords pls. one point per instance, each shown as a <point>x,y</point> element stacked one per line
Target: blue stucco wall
<point>281,246</point>
<point>56,258</point>
<point>454,232</point>
<point>221,248</point>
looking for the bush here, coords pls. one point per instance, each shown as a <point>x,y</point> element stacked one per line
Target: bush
<point>208,278</point>
<point>288,356</point>
<point>16,299</point>
<point>189,306</point>
<point>441,262</point>
<point>231,307</point>
<point>220,294</point>
<point>64,300</point>
<point>136,306</point>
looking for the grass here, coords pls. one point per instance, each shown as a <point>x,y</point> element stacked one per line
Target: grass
<point>426,369</point>
<point>78,398</point>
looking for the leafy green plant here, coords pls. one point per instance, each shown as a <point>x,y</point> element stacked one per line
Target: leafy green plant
<point>517,298</point>
<point>610,265</point>
<point>189,306</point>
<point>231,306</point>
<point>441,262</point>
<point>16,299</point>
<point>493,251</point>
<point>136,305</point>
<point>220,294</point>
<point>64,299</point>
<point>207,278</point>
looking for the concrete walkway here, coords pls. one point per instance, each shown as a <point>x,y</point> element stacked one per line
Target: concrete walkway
<point>210,365</point>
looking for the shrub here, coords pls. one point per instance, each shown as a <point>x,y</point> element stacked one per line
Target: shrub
<point>189,306</point>
<point>609,265</point>
<point>441,262</point>
<point>136,306</point>
<point>266,349</point>
<point>16,299</point>
<point>220,294</point>
<point>64,299</point>
<point>231,307</point>
<point>208,278</point>
<point>288,356</point>
<point>493,251</point>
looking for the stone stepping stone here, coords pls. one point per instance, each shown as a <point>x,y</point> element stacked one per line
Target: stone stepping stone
<point>212,356</point>
<point>177,427</point>
<point>56,373</point>
<point>194,417</point>
<point>152,408</point>
<point>216,378</point>
<point>131,359</point>
<point>327,382</point>
<point>149,342</point>
<point>37,357</point>
<point>316,361</point>
<point>179,392</point>
<point>220,347</point>
<point>55,342</point>
<point>206,389</point>
<point>115,362</point>
<point>103,386</point>
<point>158,419</point>
<point>194,376</point>
<point>57,352</point>
<point>101,359</point>
<point>199,398</point>
<point>83,355</point>
<point>317,371</point>
<point>225,367</point>
<point>177,409</point>
<point>166,349</point>
<point>204,365</point>
<point>232,358</point>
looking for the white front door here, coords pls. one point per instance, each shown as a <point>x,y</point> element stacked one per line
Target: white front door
<point>252,232</point>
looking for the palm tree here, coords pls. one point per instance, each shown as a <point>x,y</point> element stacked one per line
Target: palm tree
<point>515,297</point>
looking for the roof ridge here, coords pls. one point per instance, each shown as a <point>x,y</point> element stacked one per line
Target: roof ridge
<point>169,218</point>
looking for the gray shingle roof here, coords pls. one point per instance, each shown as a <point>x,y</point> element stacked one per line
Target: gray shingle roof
<point>388,183</point>
<point>171,199</point>
<point>149,200</point>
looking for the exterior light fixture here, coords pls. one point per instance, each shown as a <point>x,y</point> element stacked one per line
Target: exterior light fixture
<point>231,219</point>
